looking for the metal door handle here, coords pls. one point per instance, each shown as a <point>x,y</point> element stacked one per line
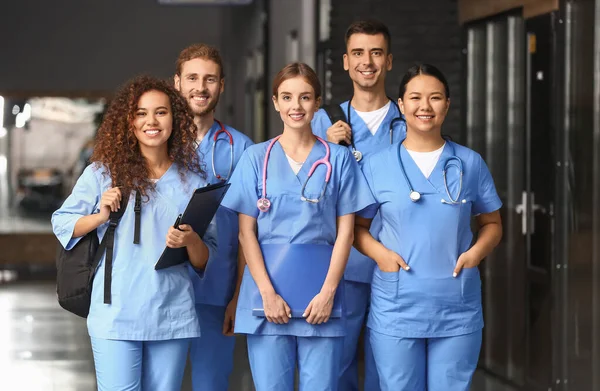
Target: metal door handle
<point>522,210</point>
<point>527,224</point>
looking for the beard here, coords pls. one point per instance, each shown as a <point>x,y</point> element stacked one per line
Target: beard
<point>201,111</point>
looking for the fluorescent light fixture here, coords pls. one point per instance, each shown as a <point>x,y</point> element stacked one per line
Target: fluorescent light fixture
<point>20,120</point>
<point>27,112</point>
<point>205,2</point>
<point>1,112</point>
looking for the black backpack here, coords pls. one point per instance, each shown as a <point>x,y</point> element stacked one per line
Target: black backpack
<point>76,267</point>
<point>335,113</point>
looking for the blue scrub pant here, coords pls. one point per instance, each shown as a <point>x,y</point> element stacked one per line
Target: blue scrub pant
<point>426,364</point>
<point>139,365</point>
<point>273,360</point>
<point>211,354</point>
<point>358,296</point>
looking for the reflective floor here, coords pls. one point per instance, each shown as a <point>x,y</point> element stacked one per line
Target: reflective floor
<point>44,348</point>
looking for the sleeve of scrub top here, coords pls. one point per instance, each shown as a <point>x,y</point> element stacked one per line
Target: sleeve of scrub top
<point>242,194</point>
<point>83,201</point>
<point>354,192</point>
<point>247,142</point>
<point>320,123</point>
<point>487,200</point>
<point>370,211</point>
<point>210,240</point>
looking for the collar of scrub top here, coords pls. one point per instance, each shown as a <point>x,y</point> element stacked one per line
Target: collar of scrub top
<point>357,154</point>
<point>264,203</point>
<point>215,140</point>
<point>451,161</point>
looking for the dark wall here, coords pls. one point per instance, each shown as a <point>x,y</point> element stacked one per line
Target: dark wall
<point>90,47</point>
<point>243,36</point>
<point>425,31</point>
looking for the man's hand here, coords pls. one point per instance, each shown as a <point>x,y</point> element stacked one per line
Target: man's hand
<point>340,131</point>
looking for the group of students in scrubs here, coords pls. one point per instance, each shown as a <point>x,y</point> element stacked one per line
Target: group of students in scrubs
<point>382,200</point>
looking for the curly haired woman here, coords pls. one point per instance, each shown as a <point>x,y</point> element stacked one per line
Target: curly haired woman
<point>145,146</point>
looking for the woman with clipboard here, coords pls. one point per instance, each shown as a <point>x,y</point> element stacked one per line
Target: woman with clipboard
<point>140,327</point>
<point>296,196</point>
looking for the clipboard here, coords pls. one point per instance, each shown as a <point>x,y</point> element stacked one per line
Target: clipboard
<point>198,214</point>
<point>297,272</point>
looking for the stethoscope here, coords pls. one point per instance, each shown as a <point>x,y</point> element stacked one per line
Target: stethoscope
<point>355,152</point>
<point>214,146</point>
<point>264,204</point>
<point>452,161</point>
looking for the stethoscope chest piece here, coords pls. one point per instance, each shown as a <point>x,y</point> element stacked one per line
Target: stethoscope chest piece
<point>357,155</point>
<point>414,196</point>
<point>263,204</point>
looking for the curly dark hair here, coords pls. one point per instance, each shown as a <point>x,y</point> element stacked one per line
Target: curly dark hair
<point>117,148</point>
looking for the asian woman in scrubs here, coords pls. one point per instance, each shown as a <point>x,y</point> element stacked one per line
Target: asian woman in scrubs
<point>426,315</point>
<point>303,208</point>
<point>140,338</point>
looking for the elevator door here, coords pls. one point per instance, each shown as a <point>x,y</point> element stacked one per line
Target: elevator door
<point>537,205</point>
<point>510,122</point>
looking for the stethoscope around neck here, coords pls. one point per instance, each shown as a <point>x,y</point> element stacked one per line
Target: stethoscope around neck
<point>214,148</point>
<point>452,161</point>
<point>355,152</point>
<point>264,204</point>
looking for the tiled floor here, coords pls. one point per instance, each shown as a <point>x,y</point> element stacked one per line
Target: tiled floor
<point>44,348</point>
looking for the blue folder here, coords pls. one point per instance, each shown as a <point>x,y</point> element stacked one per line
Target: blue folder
<point>297,272</point>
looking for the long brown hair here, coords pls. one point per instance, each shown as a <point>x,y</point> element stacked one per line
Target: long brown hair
<point>117,148</point>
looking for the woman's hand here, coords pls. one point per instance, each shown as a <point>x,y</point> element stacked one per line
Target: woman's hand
<point>182,236</point>
<point>392,262</point>
<point>276,309</point>
<point>110,202</point>
<point>488,237</point>
<point>466,260</point>
<point>319,308</point>
<point>229,321</point>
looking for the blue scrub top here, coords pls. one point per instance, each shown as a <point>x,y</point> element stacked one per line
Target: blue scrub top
<point>360,267</point>
<point>216,284</point>
<point>430,235</point>
<point>291,220</point>
<point>146,304</point>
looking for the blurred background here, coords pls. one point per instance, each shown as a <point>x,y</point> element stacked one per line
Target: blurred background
<point>525,81</point>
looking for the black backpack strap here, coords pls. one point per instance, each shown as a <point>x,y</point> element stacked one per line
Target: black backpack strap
<point>107,244</point>
<point>138,217</point>
<point>335,113</point>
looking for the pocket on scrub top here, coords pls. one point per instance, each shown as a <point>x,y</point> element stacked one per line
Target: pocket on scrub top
<point>385,283</point>
<point>470,284</point>
<point>465,207</point>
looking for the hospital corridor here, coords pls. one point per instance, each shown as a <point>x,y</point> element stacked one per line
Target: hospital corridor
<point>153,238</point>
